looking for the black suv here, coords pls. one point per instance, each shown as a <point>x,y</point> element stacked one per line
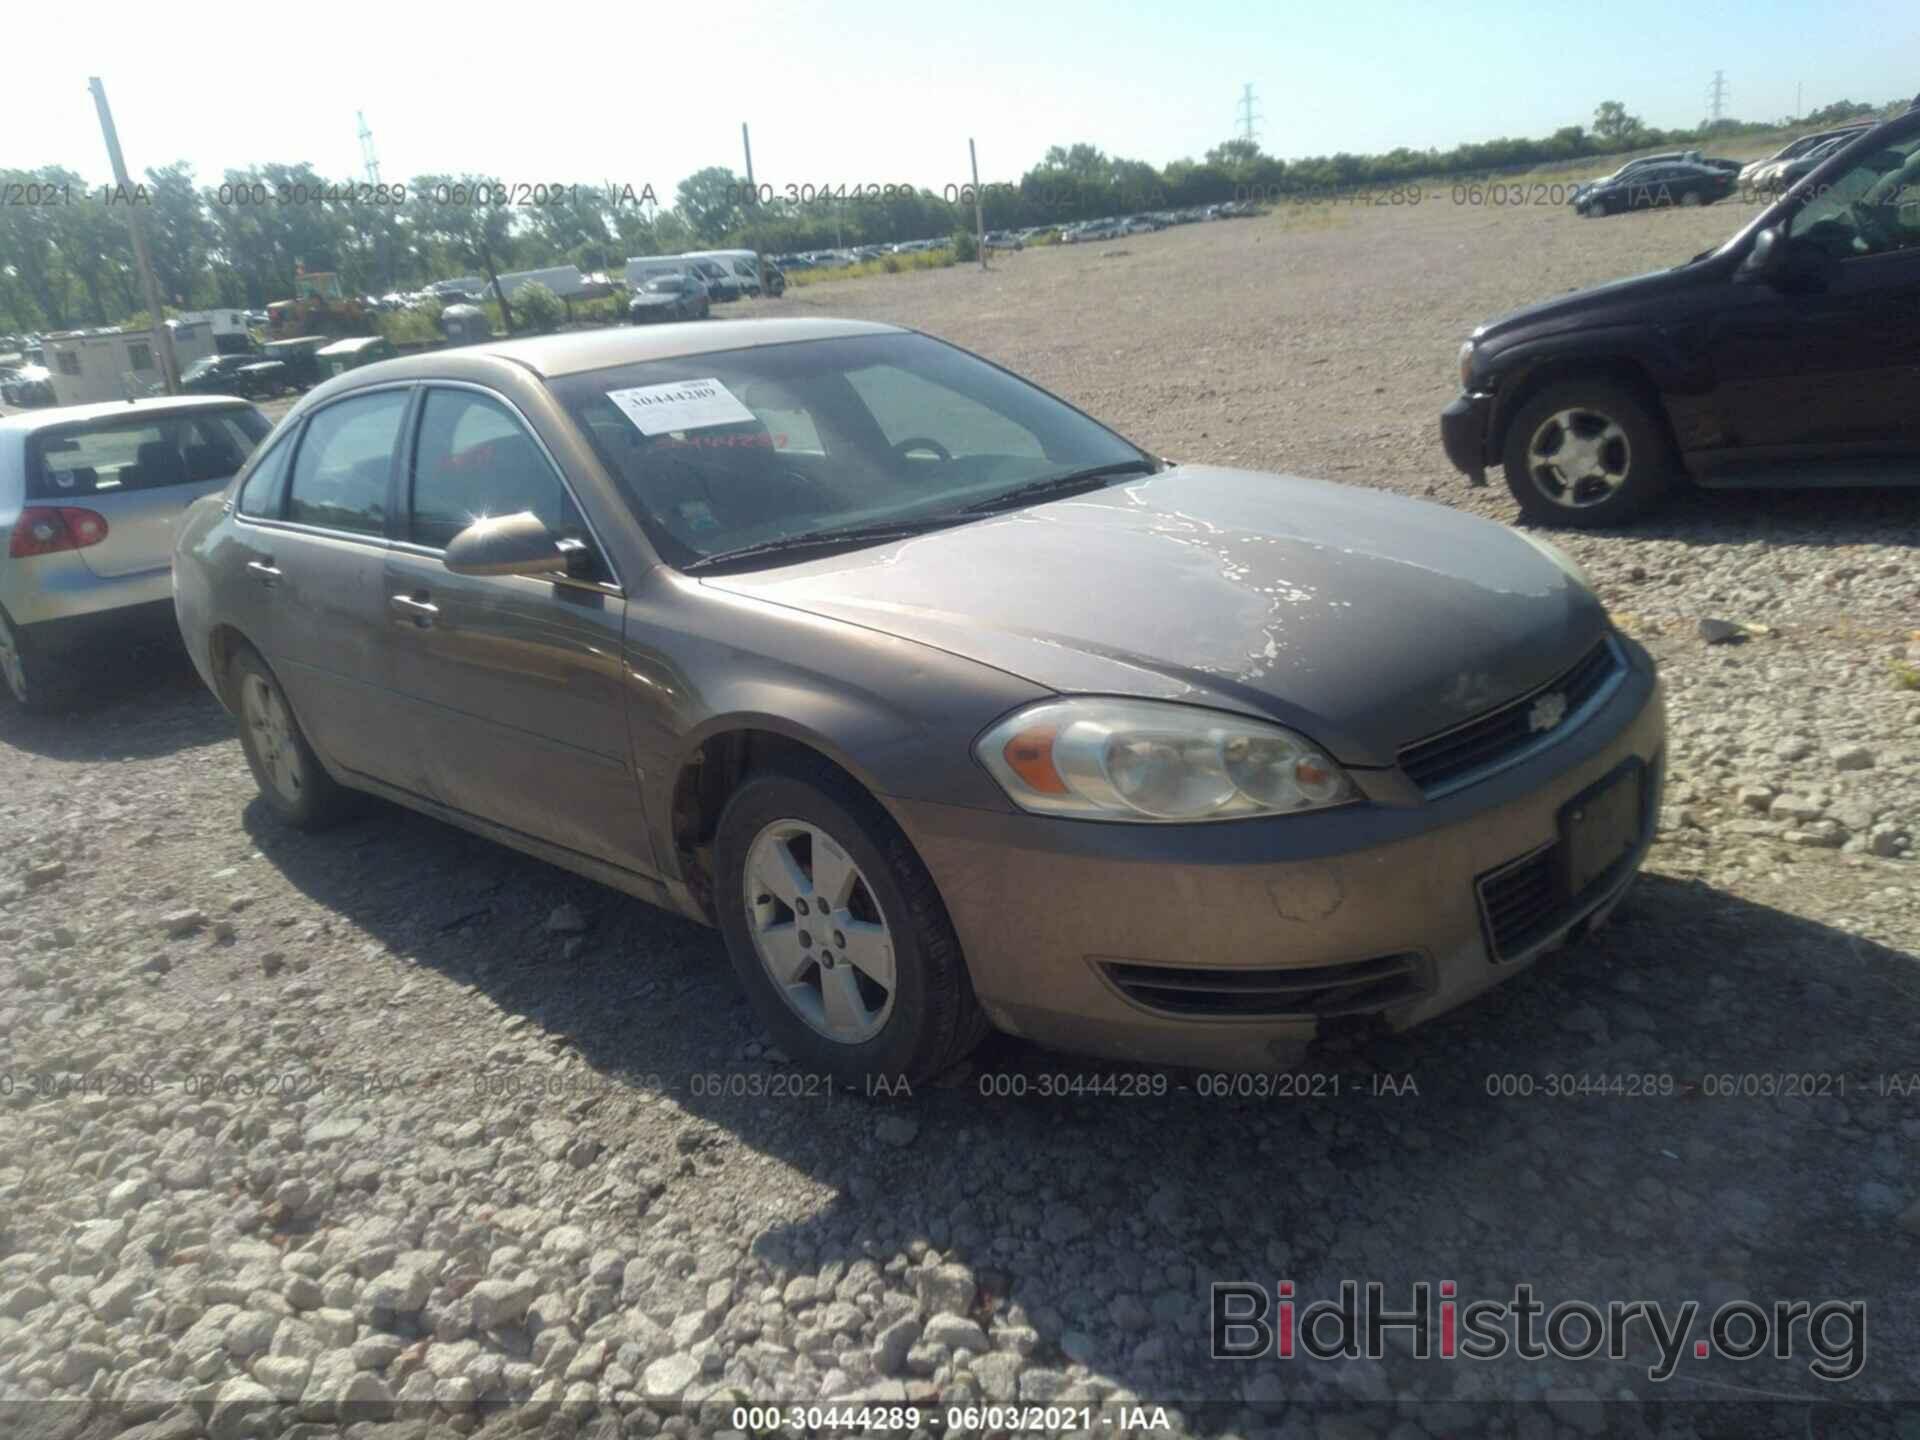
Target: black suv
<point>1789,356</point>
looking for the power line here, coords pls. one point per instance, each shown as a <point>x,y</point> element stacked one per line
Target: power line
<point>1717,98</point>
<point>1246,116</point>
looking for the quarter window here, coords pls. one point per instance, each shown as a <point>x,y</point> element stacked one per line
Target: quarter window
<point>475,459</point>
<point>340,475</point>
<point>266,488</point>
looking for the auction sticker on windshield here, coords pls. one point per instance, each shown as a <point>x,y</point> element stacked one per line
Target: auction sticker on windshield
<point>683,405</point>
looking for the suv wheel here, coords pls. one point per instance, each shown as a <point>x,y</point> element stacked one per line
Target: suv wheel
<point>293,782</point>
<point>837,932</point>
<point>1586,453</point>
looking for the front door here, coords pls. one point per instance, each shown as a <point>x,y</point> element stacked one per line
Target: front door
<point>514,684</point>
<point>1827,368</point>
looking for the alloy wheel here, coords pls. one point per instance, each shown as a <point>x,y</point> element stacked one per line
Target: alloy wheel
<point>265,711</point>
<point>817,929</point>
<point>1579,458</point>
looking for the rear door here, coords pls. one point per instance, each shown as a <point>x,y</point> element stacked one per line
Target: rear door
<point>140,472</point>
<point>514,684</point>
<point>315,549</point>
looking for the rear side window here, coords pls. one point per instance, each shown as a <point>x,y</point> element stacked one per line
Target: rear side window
<point>475,459</point>
<point>143,453</point>
<point>340,474</point>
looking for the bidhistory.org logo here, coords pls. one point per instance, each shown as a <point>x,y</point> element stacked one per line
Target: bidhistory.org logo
<point>1249,1323</point>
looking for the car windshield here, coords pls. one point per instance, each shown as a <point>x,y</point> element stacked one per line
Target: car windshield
<point>667,285</point>
<point>745,448</point>
<point>203,366</point>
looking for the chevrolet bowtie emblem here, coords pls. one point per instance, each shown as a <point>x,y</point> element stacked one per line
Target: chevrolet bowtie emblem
<point>1547,712</point>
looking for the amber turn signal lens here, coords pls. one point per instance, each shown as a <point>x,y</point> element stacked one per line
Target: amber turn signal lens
<point>1030,756</point>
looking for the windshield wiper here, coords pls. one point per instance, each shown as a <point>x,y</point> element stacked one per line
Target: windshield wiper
<point>822,540</point>
<point>1089,479</point>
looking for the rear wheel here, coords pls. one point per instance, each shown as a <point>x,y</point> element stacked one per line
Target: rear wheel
<point>1690,197</point>
<point>1587,454</point>
<point>292,781</point>
<point>35,682</point>
<point>837,932</point>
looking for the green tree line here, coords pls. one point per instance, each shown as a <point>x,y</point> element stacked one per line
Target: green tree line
<point>66,258</point>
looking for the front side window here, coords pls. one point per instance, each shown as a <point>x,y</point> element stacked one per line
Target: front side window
<point>1870,208</point>
<point>340,475</point>
<point>474,459</point>
<point>749,447</point>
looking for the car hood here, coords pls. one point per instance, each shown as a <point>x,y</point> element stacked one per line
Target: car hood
<point>1365,619</point>
<point>1577,303</point>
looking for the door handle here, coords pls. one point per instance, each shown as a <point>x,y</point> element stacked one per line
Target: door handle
<point>421,612</point>
<point>265,571</point>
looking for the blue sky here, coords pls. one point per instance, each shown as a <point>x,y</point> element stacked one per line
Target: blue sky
<point>859,93</point>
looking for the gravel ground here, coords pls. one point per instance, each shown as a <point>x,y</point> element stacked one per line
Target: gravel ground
<point>394,1129</point>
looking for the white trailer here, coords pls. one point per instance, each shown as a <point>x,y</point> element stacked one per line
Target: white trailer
<point>89,365</point>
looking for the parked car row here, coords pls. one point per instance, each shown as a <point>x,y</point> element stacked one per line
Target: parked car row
<point>1795,159</point>
<point>1790,355</point>
<point>1680,177</point>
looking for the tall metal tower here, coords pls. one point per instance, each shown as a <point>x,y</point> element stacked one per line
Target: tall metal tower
<point>1246,115</point>
<point>1717,98</point>
<point>367,158</point>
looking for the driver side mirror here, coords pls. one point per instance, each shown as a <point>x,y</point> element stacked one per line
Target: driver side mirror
<point>1786,262</point>
<point>1764,260</point>
<point>517,544</point>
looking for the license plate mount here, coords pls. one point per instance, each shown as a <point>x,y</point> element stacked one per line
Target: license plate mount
<point>1599,827</point>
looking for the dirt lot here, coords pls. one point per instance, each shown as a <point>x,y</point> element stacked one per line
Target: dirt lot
<point>529,1150</point>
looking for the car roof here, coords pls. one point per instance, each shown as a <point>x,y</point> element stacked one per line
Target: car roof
<point>29,421</point>
<point>551,356</point>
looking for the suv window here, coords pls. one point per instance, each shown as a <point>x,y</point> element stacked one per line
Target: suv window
<point>147,453</point>
<point>474,459</point>
<point>340,475</point>
<point>1870,208</point>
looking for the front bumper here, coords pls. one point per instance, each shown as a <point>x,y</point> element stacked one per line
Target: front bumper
<point>1463,434</point>
<point>1082,935</point>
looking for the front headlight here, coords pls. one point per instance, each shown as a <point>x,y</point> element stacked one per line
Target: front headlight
<point>1145,760</point>
<point>1466,365</point>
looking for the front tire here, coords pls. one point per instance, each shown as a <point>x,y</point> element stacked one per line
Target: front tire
<point>1586,454</point>
<point>293,783</point>
<point>837,932</point>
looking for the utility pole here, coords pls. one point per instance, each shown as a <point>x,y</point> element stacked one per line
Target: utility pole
<point>1717,98</point>
<point>979,214</point>
<point>753,200</point>
<point>156,308</point>
<point>1246,116</point>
